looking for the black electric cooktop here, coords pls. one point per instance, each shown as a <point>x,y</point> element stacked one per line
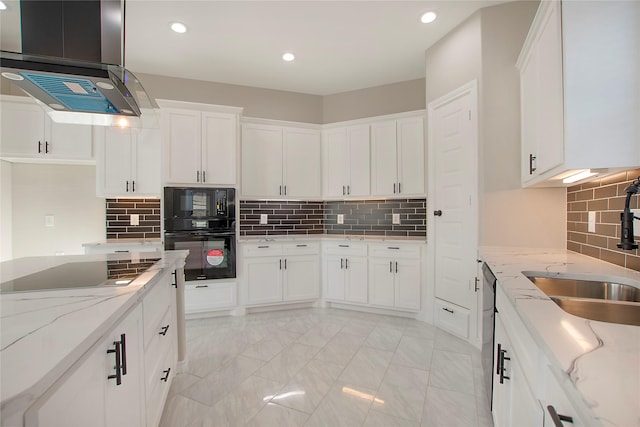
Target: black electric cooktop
<point>80,275</point>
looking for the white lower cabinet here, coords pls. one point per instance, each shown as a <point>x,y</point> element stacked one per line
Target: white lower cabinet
<point>514,403</point>
<point>209,295</point>
<point>452,318</point>
<point>104,389</point>
<point>278,272</point>
<point>124,379</point>
<point>394,276</point>
<point>346,273</point>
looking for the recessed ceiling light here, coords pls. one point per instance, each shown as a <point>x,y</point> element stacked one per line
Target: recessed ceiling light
<point>3,6</point>
<point>288,57</point>
<point>178,27</point>
<point>428,17</point>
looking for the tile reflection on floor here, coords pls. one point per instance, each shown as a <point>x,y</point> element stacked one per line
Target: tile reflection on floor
<point>325,367</point>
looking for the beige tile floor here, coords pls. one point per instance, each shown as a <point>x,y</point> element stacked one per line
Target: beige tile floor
<point>325,367</point>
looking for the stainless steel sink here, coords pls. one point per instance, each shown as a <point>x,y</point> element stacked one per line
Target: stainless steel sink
<point>596,300</point>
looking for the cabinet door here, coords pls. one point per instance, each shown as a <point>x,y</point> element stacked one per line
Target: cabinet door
<point>501,406</point>
<point>146,169</point>
<point>356,287</point>
<point>549,93</point>
<point>182,141</point>
<point>384,159</point>
<point>301,174</point>
<point>381,278</point>
<point>22,130</point>
<point>219,148</point>
<point>114,147</point>
<point>262,161</point>
<point>125,403</point>
<point>264,279</point>
<point>411,158</point>
<point>335,157</point>
<point>407,285</point>
<point>78,401</point>
<point>528,116</point>
<point>359,168</point>
<point>301,278</point>
<point>65,141</point>
<point>334,277</point>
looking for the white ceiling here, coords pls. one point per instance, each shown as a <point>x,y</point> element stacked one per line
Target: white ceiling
<point>339,45</point>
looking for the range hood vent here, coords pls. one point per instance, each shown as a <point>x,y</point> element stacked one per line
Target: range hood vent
<point>71,63</point>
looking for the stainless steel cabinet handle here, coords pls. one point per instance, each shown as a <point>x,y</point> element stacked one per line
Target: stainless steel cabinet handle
<point>557,418</point>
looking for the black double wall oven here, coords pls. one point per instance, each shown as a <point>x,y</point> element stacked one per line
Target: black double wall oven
<point>203,221</point>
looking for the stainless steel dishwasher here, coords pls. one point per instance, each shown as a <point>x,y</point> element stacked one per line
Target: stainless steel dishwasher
<point>488,327</point>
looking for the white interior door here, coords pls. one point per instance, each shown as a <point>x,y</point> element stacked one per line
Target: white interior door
<point>453,192</point>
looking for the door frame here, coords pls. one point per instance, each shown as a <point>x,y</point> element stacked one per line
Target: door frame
<point>470,88</point>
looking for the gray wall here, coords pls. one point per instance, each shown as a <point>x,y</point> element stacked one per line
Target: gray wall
<point>485,47</point>
<point>374,101</point>
<point>6,221</point>
<point>68,192</point>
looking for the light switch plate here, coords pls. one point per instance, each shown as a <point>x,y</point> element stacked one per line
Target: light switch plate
<point>264,218</point>
<point>134,219</point>
<point>340,219</point>
<point>49,221</point>
<point>395,218</point>
<point>592,222</point>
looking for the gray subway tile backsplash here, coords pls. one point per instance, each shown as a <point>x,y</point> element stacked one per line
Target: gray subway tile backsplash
<point>361,217</point>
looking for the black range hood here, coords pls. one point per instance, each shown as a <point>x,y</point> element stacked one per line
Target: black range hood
<point>71,62</point>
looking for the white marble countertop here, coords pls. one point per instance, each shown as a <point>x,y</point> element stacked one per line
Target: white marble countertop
<point>116,242</point>
<point>601,360</point>
<point>350,237</point>
<point>44,332</point>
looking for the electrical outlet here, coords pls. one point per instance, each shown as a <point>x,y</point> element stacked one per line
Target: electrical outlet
<point>264,218</point>
<point>49,221</point>
<point>395,218</point>
<point>592,222</point>
<point>134,219</point>
<point>340,219</point>
<point>636,222</point>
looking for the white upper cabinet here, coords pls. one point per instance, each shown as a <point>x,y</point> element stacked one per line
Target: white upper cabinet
<point>200,143</point>
<point>346,167</point>
<point>578,112</point>
<point>128,162</point>
<point>28,133</point>
<point>398,157</point>
<point>280,162</point>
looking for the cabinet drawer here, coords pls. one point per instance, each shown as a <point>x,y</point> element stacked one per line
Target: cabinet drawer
<point>202,296</point>
<point>157,388</point>
<point>159,346</point>
<point>452,318</point>
<point>345,248</point>
<point>302,248</point>
<point>394,251</point>
<point>154,306</point>
<point>261,249</point>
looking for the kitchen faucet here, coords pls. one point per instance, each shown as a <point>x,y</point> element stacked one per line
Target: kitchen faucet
<point>627,241</point>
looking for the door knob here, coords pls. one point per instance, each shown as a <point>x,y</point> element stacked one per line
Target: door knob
<point>437,213</point>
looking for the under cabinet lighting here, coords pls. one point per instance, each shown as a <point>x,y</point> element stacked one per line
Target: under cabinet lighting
<point>582,174</point>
